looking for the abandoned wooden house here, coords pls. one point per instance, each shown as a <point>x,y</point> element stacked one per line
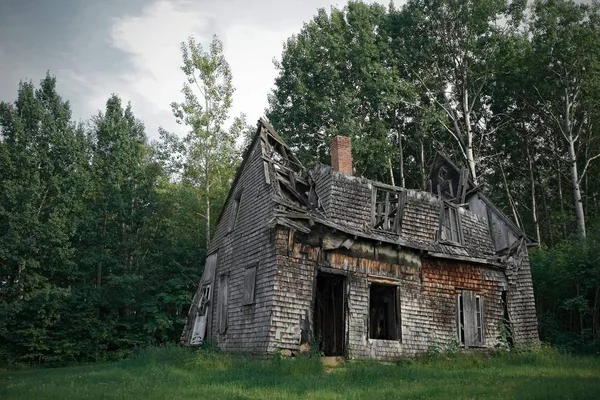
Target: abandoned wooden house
<point>359,268</point>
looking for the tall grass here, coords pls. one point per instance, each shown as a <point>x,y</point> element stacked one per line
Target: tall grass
<point>179,373</point>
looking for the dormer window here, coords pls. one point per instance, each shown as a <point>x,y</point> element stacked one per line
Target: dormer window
<point>387,208</point>
<point>450,227</point>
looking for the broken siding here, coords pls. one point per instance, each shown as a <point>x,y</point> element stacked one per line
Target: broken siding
<point>322,177</point>
<point>428,290</point>
<point>443,280</point>
<point>421,219</point>
<point>293,299</point>
<point>521,302</point>
<point>248,243</point>
<point>350,203</point>
<point>476,233</point>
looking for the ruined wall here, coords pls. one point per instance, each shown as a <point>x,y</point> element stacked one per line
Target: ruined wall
<point>347,201</point>
<point>428,289</point>
<point>249,242</point>
<point>421,219</point>
<point>443,280</point>
<point>521,301</point>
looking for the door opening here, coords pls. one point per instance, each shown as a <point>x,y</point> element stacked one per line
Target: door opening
<point>329,317</point>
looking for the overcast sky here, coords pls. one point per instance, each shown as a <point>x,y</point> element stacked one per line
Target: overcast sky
<point>131,48</point>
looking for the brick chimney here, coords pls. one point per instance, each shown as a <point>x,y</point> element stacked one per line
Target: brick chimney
<point>341,154</point>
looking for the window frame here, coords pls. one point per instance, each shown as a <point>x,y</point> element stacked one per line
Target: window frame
<point>477,319</point>
<point>394,225</point>
<point>397,323</point>
<point>450,211</point>
<point>222,302</point>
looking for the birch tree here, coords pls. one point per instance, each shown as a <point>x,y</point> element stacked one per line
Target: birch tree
<point>566,55</point>
<point>453,45</point>
<point>209,149</point>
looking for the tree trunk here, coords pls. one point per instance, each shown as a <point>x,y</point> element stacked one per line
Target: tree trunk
<point>578,204</point>
<point>422,163</point>
<point>207,194</point>
<point>533,201</point>
<point>401,150</point>
<point>563,226</point>
<point>468,134</point>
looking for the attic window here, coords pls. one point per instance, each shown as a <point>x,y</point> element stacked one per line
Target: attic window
<point>235,209</point>
<point>450,227</point>
<point>470,319</point>
<point>387,208</point>
<point>384,312</point>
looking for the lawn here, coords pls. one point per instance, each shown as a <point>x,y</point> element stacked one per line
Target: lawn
<point>177,373</point>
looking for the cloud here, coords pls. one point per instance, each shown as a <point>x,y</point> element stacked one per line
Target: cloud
<point>147,59</point>
<point>152,42</point>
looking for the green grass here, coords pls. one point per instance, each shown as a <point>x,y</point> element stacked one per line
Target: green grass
<point>177,373</point>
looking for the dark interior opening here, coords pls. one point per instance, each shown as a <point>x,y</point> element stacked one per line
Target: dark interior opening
<point>506,320</point>
<point>383,313</point>
<point>329,315</point>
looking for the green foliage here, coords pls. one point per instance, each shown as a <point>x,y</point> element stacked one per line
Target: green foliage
<point>567,288</point>
<point>96,254</point>
<point>207,154</point>
<point>338,76</point>
<point>174,372</point>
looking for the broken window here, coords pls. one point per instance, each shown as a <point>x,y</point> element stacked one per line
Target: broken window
<point>199,329</point>
<point>450,228</point>
<point>388,207</point>
<point>249,284</point>
<point>235,207</point>
<point>470,319</point>
<point>222,302</point>
<point>384,312</point>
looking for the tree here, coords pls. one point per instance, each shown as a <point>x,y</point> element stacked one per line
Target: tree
<point>209,153</point>
<point>43,164</point>
<point>338,76</point>
<point>566,69</point>
<point>448,47</point>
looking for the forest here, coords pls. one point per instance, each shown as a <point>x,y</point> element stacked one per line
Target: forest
<point>103,233</point>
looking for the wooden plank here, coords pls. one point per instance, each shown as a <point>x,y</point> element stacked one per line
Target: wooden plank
<point>465,185</point>
<point>469,316</point>
<point>267,174</point>
<point>386,224</point>
<point>222,302</point>
<point>373,205</point>
<point>398,315</point>
<point>458,323</point>
<point>383,280</point>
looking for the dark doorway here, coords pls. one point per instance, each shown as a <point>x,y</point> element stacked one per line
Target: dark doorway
<point>330,314</point>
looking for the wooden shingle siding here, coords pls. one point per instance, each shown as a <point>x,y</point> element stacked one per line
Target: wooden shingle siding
<point>248,243</point>
<point>293,225</point>
<point>521,304</point>
<point>427,299</point>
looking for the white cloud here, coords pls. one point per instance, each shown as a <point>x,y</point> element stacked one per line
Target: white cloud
<point>152,41</point>
<point>252,37</point>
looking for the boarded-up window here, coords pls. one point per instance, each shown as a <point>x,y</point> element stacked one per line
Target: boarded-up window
<point>388,208</point>
<point>200,322</point>
<point>470,319</point>
<point>450,229</point>
<point>235,209</point>
<point>384,312</point>
<point>222,302</point>
<point>249,284</point>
